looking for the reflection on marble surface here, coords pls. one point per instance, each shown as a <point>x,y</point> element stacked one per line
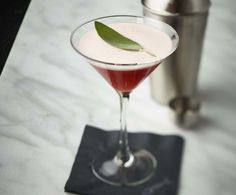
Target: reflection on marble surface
<point>48,93</point>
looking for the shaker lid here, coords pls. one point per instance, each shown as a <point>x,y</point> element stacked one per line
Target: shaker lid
<point>177,7</point>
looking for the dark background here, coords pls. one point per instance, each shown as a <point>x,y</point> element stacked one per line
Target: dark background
<point>11,15</point>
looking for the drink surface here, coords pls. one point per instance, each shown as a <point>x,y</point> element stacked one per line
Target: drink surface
<point>151,39</point>
<point>125,78</point>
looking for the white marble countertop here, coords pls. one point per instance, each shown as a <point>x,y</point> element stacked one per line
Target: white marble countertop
<point>48,93</point>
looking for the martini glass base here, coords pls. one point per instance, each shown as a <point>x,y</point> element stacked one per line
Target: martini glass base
<point>138,169</point>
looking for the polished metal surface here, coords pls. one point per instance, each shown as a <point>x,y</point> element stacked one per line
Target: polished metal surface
<point>177,75</point>
<point>177,7</point>
<point>184,111</point>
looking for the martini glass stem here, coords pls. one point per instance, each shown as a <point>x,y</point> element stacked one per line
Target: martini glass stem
<point>124,154</point>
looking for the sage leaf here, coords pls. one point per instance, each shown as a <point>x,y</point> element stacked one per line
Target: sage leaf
<point>116,39</point>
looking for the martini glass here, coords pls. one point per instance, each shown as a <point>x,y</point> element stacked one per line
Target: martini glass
<point>122,165</point>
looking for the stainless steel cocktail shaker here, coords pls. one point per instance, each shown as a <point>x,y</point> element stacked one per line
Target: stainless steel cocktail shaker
<point>178,74</point>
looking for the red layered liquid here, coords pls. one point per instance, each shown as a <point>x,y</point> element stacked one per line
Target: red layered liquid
<point>125,80</point>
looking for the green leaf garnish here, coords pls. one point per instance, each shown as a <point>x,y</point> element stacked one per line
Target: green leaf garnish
<point>116,39</point>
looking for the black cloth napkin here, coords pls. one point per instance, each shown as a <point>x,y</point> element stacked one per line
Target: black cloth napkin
<point>167,150</point>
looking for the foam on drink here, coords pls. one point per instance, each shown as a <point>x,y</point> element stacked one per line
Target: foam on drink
<point>152,39</point>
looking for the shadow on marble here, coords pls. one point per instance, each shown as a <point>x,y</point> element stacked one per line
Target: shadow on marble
<point>203,123</point>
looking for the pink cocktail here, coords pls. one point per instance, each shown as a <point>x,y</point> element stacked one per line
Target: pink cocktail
<point>124,70</point>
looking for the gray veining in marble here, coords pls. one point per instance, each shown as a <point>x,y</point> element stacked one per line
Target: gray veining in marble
<point>48,93</point>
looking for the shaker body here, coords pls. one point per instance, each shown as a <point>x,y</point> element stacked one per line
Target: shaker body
<point>178,74</point>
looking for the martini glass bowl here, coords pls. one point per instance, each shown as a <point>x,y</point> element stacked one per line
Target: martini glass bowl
<point>123,165</point>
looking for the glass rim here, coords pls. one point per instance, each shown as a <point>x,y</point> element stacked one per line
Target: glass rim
<point>155,59</point>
